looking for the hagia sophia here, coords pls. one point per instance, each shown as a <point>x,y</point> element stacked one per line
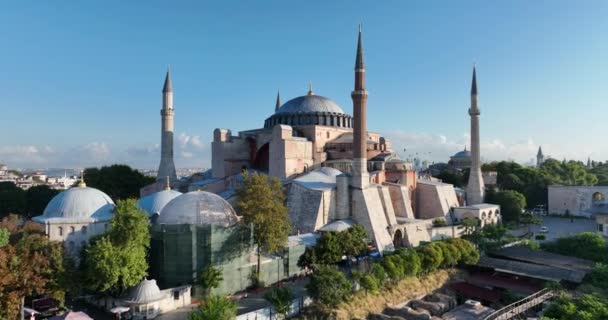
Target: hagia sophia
<point>335,174</point>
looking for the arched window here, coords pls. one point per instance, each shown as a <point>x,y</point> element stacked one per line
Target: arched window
<point>84,230</point>
<point>72,229</point>
<point>598,197</point>
<point>60,229</point>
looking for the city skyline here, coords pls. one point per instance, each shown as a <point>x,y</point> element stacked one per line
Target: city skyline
<point>83,84</point>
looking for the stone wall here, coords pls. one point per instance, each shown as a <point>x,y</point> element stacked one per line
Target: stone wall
<point>576,200</point>
<point>434,199</point>
<point>400,198</point>
<point>310,209</point>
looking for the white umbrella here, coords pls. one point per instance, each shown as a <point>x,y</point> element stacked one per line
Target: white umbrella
<point>119,309</point>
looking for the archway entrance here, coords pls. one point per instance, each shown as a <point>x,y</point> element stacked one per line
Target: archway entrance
<point>398,239</point>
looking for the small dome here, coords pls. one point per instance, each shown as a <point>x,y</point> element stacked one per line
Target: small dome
<point>79,203</point>
<point>310,104</point>
<point>145,292</point>
<point>154,203</point>
<point>198,207</point>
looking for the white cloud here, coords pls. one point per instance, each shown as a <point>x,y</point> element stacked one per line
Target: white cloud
<point>439,148</point>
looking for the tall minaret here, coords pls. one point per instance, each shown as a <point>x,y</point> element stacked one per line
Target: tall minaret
<point>475,187</point>
<point>540,158</point>
<point>359,96</point>
<point>167,167</point>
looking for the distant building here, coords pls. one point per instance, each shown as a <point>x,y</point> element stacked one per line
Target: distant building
<point>602,224</point>
<point>540,158</point>
<point>460,160</point>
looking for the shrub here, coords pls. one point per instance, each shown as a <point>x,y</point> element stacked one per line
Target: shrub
<point>280,298</point>
<point>439,222</point>
<point>586,245</point>
<point>394,266</point>
<point>378,272</point>
<point>540,237</point>
<point>329,286</point>
<point>411,261</point>
<point>216,307</point>
<point>431,257</point>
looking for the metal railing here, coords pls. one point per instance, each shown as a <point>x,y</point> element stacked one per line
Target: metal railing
<point>522,305</point>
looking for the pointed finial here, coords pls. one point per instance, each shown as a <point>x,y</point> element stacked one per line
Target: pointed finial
<point>168,184</point>
<point>465,147</point>
<point>168,87</point>
<point>278,104</point>
<point>474,83</point>
<point>81,184</point>
<point>359,64</point>
<point>310,93</point>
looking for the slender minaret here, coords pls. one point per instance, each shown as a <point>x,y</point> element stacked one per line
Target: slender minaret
<point>359,96</point>
<point>540,158</point>
<point>475,187</point>
<point>278,104</point>
<point>167,167</point>
<point>589,166</point>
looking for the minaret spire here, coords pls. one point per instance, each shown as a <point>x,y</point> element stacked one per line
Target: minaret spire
<point>359,63</point>
<point>475,186</point>
<point>168,87</point>
<point>359,96</point>
<point>82,184</point>
<point>278,104</point>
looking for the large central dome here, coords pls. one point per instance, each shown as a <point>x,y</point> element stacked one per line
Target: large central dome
<point>307,110</point>
<point>310,104</point>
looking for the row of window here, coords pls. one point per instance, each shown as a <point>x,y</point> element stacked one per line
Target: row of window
<point>72,229</point>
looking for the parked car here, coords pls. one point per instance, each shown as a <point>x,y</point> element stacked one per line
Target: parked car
<point>544,229</point>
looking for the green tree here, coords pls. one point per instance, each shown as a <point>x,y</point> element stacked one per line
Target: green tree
<point>116,261</point>
<point>118,181</point>
<point>511,204</point>
<point>308,258</point>
<point>37,197</point>
<point>354,241</point>
<point>329,286</point>
<point>216,307</point>
<point>280,299</point>
<point>329,248</point>
<point>261,202</point>
<point>12,199</point>
<point>210,277</point>
<point>452,177</point>
<point>470,225</point>
<point>394,266</point>
<point>528,219</point>
<point>585,307</point>
<point>599,276</point>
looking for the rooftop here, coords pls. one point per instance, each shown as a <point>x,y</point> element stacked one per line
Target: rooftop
<point>532,270</point>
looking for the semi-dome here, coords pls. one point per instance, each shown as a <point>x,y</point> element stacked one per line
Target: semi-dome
<point>198,207</point>
<point>145,292</point>
<point>79,203</point>
<point>310,104</point>
<point>154,203</point>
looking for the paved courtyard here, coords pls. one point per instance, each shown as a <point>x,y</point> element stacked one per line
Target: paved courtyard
<point>563,227</point>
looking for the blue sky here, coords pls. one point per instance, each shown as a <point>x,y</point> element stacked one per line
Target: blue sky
<point>82,80</point>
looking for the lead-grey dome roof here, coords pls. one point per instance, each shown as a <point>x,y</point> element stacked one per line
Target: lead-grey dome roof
<point>198,207</point>
<point>154,203</point>
<point>310,104</point>
<point>145,292</point>
<point>462,154</point>
<point>78,204</point>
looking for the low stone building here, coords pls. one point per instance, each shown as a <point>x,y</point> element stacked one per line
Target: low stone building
<point>578,200</point>
<point>485,213</point>
<point>602,224</point>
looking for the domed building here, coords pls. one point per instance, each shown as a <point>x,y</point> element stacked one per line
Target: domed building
<point>154,203</point>
<point>196,230</point>
<point>302,133</point>
<point>461,160</point>
<point>75,215</point>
